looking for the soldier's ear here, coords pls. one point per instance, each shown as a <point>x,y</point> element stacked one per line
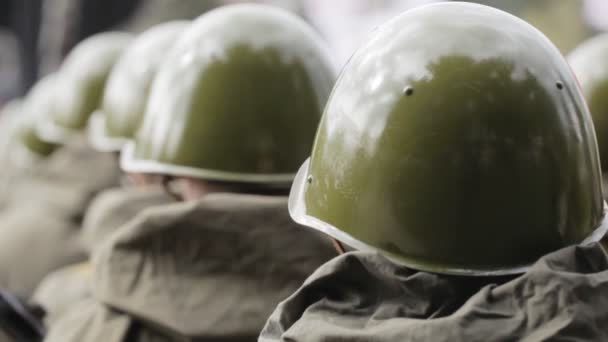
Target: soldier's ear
<point>170,188</point>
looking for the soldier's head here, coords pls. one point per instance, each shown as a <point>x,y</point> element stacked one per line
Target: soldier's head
<point>235,105</point>
<point>457,141</point>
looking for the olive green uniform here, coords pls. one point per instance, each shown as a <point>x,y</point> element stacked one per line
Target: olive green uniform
<point>61,289</point>
<point>115,207</point>
<point>561,298</point>
<point>111,209</point>
<point>207,270</point>
<point>40,227</point>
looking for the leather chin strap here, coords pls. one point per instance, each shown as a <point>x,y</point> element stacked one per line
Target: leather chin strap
<point>338,246</point>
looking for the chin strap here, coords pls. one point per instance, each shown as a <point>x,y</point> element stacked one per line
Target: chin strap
<point>338,246</point>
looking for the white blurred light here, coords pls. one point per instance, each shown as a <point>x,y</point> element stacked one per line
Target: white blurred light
<point>345,24</point>
<point>596,12</point>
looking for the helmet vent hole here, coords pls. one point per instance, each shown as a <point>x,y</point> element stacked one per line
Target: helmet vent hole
<point>408,91</point>
<point>559,85</point>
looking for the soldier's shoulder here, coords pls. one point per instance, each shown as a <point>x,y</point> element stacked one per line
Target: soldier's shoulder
<point>89,320</point>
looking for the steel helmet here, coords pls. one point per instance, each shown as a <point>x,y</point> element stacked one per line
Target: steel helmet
<point>128,86</point>
<point>81,80</point>
<point>238,99</point>
<point>36,108</point>
<point>456,141</point>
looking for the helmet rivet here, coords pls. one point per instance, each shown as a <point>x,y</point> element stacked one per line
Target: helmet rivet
<point>408,91</point>
<point>309,179</point>
<point>559,85</point>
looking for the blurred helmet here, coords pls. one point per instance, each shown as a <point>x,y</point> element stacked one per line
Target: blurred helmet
<point>128,86</point>
<point>35,109</point>
<point>80,82</point>
<point>590,64</point>
<point>238,99</point>
<point>456,141</point>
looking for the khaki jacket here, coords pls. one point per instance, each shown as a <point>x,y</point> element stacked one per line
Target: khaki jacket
<point>114,207</point>
<point>40,222</point>
<point>108,211</point>
<point>61,289</point>
<point>212,270</point>
<point>364,297</point>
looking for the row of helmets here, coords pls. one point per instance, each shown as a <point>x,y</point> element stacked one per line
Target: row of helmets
<point>455,145</point>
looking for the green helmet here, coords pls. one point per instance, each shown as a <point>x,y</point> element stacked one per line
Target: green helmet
<point>455,141</point>
<point>81,80</point>
<point>10,113</point>
<point>238,99</point>
<point>36,108</point>
<point>30,139</point>
<point>590,64</point>
<point>128,85</point>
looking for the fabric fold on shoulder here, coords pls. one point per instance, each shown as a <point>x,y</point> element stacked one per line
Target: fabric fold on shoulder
<point>363,296</point>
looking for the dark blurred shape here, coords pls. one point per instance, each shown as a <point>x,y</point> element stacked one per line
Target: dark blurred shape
<point>58,25</point>
<point>19,321</point>
<point>5,11</point>
<point>67,22</point>
<point>153,12</point>
<point>10,73</point>
<point>22,18</point>
<point>100,15</point>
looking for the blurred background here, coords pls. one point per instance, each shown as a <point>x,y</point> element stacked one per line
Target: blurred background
<point>35,35</point>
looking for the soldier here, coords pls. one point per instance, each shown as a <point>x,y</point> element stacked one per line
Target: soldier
<point>26,154</point>
<point>122,107</point>
<point>22,149</point>
<point>231,114</point>
<point>40,225</point>
<point>81,81</point>
<point>457,155</point>
<point>117,121</point>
